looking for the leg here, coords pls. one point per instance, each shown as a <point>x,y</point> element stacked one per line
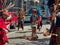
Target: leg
<point>38,27</point>
<point>41,23</point>
<point>33,31</point>
<point>34,35</point>
<point>22,25</point>
<point>18,26</point>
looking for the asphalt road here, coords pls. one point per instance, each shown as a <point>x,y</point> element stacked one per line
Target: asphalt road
<point>15,36</point>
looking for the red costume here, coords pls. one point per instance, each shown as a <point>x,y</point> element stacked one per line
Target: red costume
<point>3,37</point>
<point>14,19</point>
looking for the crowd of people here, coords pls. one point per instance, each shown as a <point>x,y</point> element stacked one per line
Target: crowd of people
<point>8,20</point>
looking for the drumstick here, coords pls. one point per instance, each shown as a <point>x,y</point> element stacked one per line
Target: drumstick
<point>46,34</point>
<point>54,34</point>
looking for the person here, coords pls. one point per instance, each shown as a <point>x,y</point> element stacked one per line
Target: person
<point>34,22</point>
<point>7,17</point>
<point>55,23</point>
<point>39,22</point>
<point>33,18</point>
<point>13,21</point>
<point>3,30</point>
<point>20,20</point>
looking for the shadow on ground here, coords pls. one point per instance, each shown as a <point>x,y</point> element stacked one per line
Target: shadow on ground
<point>21,37</point>
<point>39,32</point>
<point>44,41</point>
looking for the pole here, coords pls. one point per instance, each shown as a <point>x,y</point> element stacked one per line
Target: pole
<point>22,4</point>
<point>26,5</point>
<point>34,3</point>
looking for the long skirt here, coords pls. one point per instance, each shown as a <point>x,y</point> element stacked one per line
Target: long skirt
<point>20,24</point>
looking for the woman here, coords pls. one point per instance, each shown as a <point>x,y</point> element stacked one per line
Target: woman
<point>20,20</point>
<point>3,30</point>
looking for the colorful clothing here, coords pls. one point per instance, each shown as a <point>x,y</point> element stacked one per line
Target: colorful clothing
<point>53,29</point>
<point>33,20</point>
<point>3,37</point>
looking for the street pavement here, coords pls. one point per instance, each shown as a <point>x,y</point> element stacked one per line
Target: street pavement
<point>15,36</point>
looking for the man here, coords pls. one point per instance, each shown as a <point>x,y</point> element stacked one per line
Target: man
<point>55,23</point>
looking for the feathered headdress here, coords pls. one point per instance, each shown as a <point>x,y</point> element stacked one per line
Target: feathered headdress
<point>2,4</point>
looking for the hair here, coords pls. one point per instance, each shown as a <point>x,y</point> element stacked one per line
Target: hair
<point>34,10</point>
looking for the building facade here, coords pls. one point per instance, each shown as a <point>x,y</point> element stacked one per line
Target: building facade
<point>26,4</point>
<point>21,3</point>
